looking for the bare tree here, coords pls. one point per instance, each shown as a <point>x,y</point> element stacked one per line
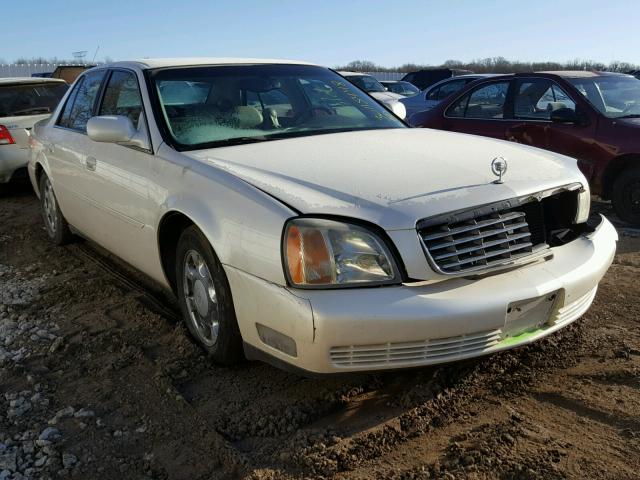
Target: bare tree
<point>495,65</point>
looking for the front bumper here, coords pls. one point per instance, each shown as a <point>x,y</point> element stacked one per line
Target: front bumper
<point>12,158</point>
<point>409,326</point>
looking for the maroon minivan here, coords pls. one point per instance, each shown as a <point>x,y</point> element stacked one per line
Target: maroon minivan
<point>591,116</point>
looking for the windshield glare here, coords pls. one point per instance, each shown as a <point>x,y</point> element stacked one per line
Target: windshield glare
<point>614,96</point>
<point>30,99</point>
<point>205,107</point>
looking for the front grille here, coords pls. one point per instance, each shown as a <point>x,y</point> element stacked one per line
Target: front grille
<point>435,350</point>
<point>482,241</point>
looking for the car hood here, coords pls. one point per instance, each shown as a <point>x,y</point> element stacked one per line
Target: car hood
<point>390,177</point>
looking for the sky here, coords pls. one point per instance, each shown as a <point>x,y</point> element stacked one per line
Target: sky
<point>327,32</point>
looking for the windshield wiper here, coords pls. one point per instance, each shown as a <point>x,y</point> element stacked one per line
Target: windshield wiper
<point>234,141</point>
<point>632,115</point>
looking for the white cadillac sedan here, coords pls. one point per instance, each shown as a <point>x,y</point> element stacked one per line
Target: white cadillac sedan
<point>300,222</point>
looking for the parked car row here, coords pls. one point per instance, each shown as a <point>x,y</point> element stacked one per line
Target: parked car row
<point>593,117</point>
<point>299,221</point>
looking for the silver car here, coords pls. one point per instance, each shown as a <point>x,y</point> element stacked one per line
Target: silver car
<point>23,102</point>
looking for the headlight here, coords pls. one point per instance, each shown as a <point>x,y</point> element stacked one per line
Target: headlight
<point>584,205</point>
<point>328,253</point>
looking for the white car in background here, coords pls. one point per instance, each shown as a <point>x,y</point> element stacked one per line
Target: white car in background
<point>300,222</point>
<point>23,102</point>
<point>378,91</point>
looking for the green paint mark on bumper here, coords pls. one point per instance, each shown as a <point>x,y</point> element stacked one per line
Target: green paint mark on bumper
<point>521,337</point>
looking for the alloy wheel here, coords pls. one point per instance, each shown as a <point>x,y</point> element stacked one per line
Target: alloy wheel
<point>50,207</point>
<point>201,298</point>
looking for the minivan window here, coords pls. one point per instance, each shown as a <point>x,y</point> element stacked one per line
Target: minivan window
<point>251,103</point>
<point>84,102</point>
<point>122,96</point>
<point>30,99</point>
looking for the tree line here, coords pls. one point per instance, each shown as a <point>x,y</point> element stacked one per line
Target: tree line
<point>495,65</point>
<point>52,60</point>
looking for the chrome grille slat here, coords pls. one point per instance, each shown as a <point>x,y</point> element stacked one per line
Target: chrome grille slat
<point>476,225</point>
<point>471,238</point>
<point>485,241</point>
<point>489,255</point>
<point>493,243</point>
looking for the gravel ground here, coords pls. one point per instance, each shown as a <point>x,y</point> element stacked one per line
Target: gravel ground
<point>99,379</point>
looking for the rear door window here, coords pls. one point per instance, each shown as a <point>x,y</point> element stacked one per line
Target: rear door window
<point>536,99</point>
<point>484,102</point>
<point>84,103</point>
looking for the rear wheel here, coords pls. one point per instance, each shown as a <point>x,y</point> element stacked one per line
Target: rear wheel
<point>205,298</point>
<point>626,196</point>
<point>54,222</point>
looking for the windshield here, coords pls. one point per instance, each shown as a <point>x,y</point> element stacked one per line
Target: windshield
<point>614,96</point>
<point>366,83</point>
<point>205,107</point>
<point>30,99</point>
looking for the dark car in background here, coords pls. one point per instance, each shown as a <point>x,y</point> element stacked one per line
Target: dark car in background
<point>425,78</point>
<point>405,89</point>
<point>591,116</point>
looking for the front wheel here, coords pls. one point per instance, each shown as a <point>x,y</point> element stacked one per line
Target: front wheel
<point>626,196</point>
<point>54,222</point>
<point>205,298</point>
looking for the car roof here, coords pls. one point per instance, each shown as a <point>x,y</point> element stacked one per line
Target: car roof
<point>149,63</point>
<point>27,80</point>
<point>582,74</point>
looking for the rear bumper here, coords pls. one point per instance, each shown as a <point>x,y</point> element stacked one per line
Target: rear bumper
<point>12,158</point>
<point>410,326</point>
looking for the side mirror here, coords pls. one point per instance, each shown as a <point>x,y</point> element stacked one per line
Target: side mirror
<point>115,129</point>
<point>564,115</point>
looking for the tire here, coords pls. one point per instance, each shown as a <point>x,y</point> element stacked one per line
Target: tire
<point>626,196</point>
<point>205,298</point>
<point>54,222</point>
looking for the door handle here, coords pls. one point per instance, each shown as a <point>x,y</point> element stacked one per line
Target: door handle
<point>90,162</point>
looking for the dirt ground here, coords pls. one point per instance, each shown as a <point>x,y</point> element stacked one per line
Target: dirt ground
<point>99,379</point>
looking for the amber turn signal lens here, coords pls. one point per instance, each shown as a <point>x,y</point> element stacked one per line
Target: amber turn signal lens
<point>308,257</point>
<point>294,255</point>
